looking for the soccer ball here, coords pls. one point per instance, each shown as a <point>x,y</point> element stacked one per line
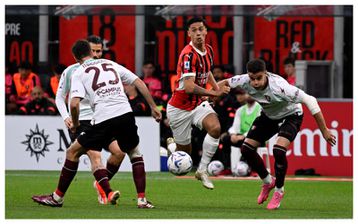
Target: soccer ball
<point>241,169</point>
<point>215,167</point>
<point>179,163</point>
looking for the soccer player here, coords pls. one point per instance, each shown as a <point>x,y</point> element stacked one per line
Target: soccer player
<point>86,114</point>
<point>186,107</point>
<point>101,82</point>
<point>281,113</point>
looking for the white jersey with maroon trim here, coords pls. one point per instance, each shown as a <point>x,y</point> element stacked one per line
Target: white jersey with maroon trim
<point>192,62</point>
<point>100,81</point>
<point>63,91</point>
<point>278,100</point>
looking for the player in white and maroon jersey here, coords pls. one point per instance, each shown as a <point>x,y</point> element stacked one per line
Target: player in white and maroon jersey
<point>281,113</point>
<point>100,81</point>
<point>63,92</point>
<point>186,107</point>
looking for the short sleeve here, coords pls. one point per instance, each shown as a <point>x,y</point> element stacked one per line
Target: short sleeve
<point>289,92</point>
<point>126,75</point>
<point>238,81</point>
<point>189,64</point>
<point>77,88</point>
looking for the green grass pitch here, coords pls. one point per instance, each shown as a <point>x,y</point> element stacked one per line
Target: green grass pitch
<point>175,198</point>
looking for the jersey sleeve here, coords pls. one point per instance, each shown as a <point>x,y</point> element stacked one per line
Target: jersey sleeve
<point>238,81</point>
<point>189,64</point>
<point>126,75</point>
<point>77,88</point>
<point>61,97</point>
<point>289,92</point>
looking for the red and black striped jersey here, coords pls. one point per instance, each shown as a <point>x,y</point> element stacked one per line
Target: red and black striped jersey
<point>192,62</point>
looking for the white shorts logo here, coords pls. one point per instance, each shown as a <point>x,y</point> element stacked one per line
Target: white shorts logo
<point>187,65</point>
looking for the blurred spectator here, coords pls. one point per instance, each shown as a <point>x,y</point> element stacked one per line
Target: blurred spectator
<point>220,73</point>
<point>57,72</point>
<point>290,70</point>
<point>154,84</point>
<point>10,107</point>
<point>137,102</point>
<point>23,83</point>
<point>39,105</point>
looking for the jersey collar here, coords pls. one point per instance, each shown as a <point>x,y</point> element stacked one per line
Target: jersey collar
<point>197,50</point>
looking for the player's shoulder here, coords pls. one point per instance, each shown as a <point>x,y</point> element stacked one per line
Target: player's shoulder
<point>240,78</point>
<point>277,82</point>
<point>188,49</point>
<point>70,69</point>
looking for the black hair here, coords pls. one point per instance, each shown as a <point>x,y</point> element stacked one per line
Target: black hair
<point>219,67</point>
<point>25,65</point>
<point>195,20</point>
<point>147,62</point>
<point>288,61</point>
<point>256,65</point>
<point>81,49</point>
<point>95,39</point>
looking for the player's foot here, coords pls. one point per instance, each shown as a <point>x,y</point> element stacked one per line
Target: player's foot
<point>275,200</point>
<point>47,200</point>
<point>170,146</point>
<point>143,203</point>
<point>102,198</point>
<point>265,191</point>
<point>113,197</point>
<point>204,177</point>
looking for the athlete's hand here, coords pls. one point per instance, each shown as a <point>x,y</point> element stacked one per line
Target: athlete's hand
<point>223,90</point>
<point>68,122</point>
<point>74,127</point>
<point>330,138</point>
<point>156,114</point>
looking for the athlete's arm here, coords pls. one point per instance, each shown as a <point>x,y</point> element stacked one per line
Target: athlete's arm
<point>142,88</point>
<point>313,106</point>
<point>60,101</point>
<point>212,81</point>
<point>75,111</point>
<point>191,88</point>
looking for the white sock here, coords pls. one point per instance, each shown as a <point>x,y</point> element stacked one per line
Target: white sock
<point>267,179</point>
<point>172,147</point>
<point>57,198</point>
<point>210,145</point>
<point>281,189</point>
<point>141,201</point>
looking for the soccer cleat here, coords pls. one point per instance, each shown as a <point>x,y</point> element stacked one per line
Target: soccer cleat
<point>171,146</point>
<point>143,203</point>
<point>113,197</point>
<point>47,200</point>
<point>204,177</point>
<point>275,200</point>
<point>265,191</point>
<point>102,198</point>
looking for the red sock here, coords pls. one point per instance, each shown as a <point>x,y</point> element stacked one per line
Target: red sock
<point>254,160</point>
<point>111,170</point>
<point>68,172</point>
<point>138,175</point>
<point>102,179</point>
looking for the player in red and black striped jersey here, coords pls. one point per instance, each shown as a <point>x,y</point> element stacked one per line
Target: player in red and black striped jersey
<point>186,106</point>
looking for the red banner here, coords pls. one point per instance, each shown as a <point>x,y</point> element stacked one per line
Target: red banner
<point>118,33</point>
<point>306,38</point>
<point>310,150</point>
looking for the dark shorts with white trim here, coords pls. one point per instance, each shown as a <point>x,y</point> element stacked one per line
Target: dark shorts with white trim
<point>263,128</point>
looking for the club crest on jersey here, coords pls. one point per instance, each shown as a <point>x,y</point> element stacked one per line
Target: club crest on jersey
<point>187,65</point>
<point>268,98</point>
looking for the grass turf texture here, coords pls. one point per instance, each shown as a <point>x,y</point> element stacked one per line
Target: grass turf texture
<point>174,198</point>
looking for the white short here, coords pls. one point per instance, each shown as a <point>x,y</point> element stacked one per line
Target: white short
<point>180,121</point>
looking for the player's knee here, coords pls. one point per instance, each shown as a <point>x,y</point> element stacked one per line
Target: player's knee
<point>246,149</point>
<point>214,131</point>
<point>134,153</point>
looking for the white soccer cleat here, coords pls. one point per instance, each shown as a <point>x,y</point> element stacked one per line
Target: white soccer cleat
<point>204,178</point>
